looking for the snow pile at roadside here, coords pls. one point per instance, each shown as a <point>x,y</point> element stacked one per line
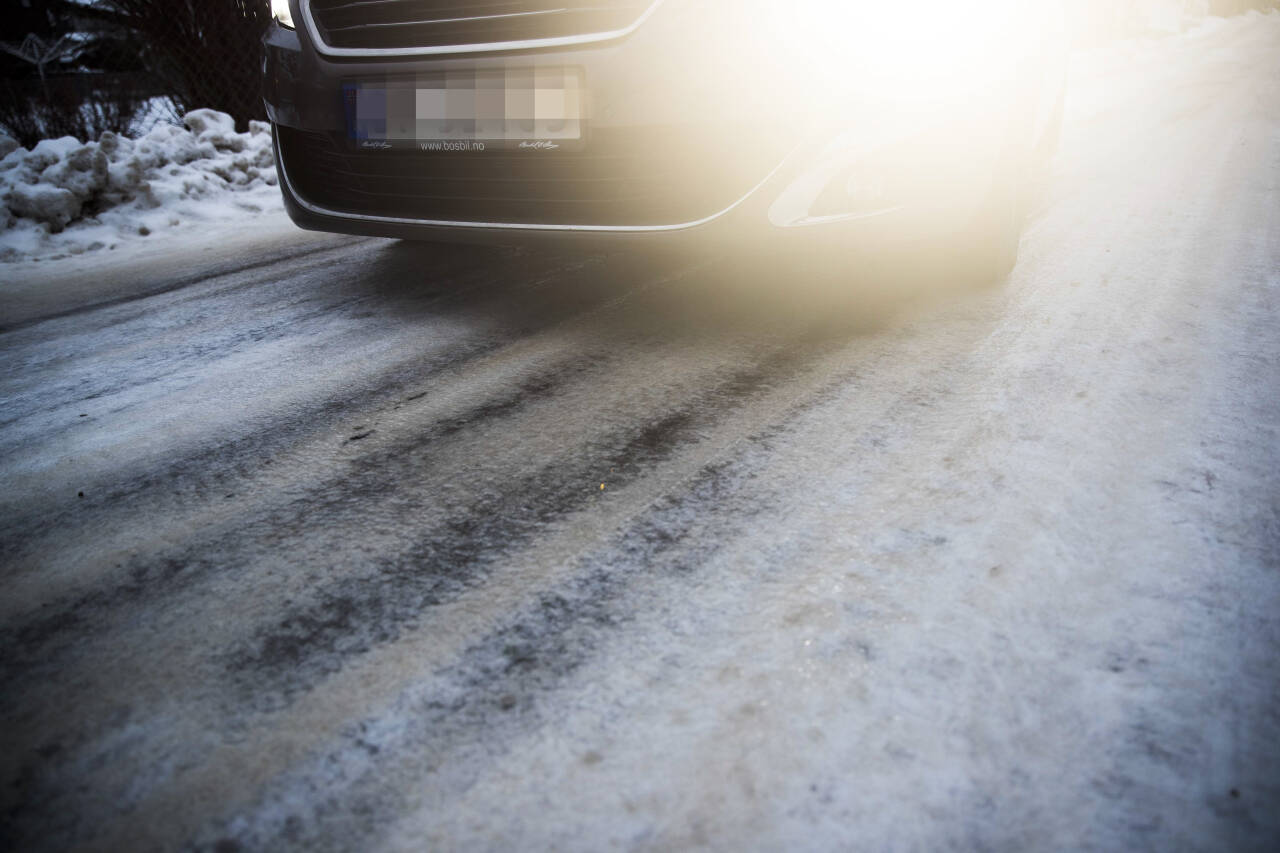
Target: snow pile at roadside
<point>65,197</point>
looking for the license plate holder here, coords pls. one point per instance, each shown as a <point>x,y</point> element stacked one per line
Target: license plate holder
<point>532,109</point>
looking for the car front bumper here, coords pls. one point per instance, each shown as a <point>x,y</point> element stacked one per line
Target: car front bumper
<point>667,75</point>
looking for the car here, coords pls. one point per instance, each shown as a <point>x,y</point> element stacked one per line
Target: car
<point>818,132</point>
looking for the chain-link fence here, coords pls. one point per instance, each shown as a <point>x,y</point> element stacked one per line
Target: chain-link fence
<point>81,105</point>
<point>202,53</point>
<point>81,67</point>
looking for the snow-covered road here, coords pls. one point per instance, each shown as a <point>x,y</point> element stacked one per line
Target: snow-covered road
<point>359,545</point>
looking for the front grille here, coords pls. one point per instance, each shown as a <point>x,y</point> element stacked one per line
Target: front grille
<point>410,24</point>
<point>623,178</point>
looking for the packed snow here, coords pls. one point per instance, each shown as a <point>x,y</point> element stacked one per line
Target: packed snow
<point>65,197</point>
<point>314,555</point>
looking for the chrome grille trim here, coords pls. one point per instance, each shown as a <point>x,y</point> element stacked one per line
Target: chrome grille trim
<point>456,20</point>
<point>487,47</point>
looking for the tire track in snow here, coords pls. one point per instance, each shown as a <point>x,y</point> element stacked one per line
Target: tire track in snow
<point>456,722</point>
<point>456,553</point>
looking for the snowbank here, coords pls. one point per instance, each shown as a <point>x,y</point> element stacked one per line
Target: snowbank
<point>65,197</point>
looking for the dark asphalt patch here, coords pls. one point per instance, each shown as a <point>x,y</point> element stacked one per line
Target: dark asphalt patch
<point>349,617</point>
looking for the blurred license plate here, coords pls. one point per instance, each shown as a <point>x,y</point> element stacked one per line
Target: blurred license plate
<point>535,109</point>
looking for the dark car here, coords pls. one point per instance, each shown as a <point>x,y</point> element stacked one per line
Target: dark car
<point>809,129</point>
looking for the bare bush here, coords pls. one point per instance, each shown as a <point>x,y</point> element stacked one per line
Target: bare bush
<point>79,105</point>
<point>203,53</point>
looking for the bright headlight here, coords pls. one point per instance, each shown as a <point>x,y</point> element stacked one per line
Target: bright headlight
<point>925,51</point>
<point>280,11</point>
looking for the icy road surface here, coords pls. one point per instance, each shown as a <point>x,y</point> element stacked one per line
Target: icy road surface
<point>355,545</point>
